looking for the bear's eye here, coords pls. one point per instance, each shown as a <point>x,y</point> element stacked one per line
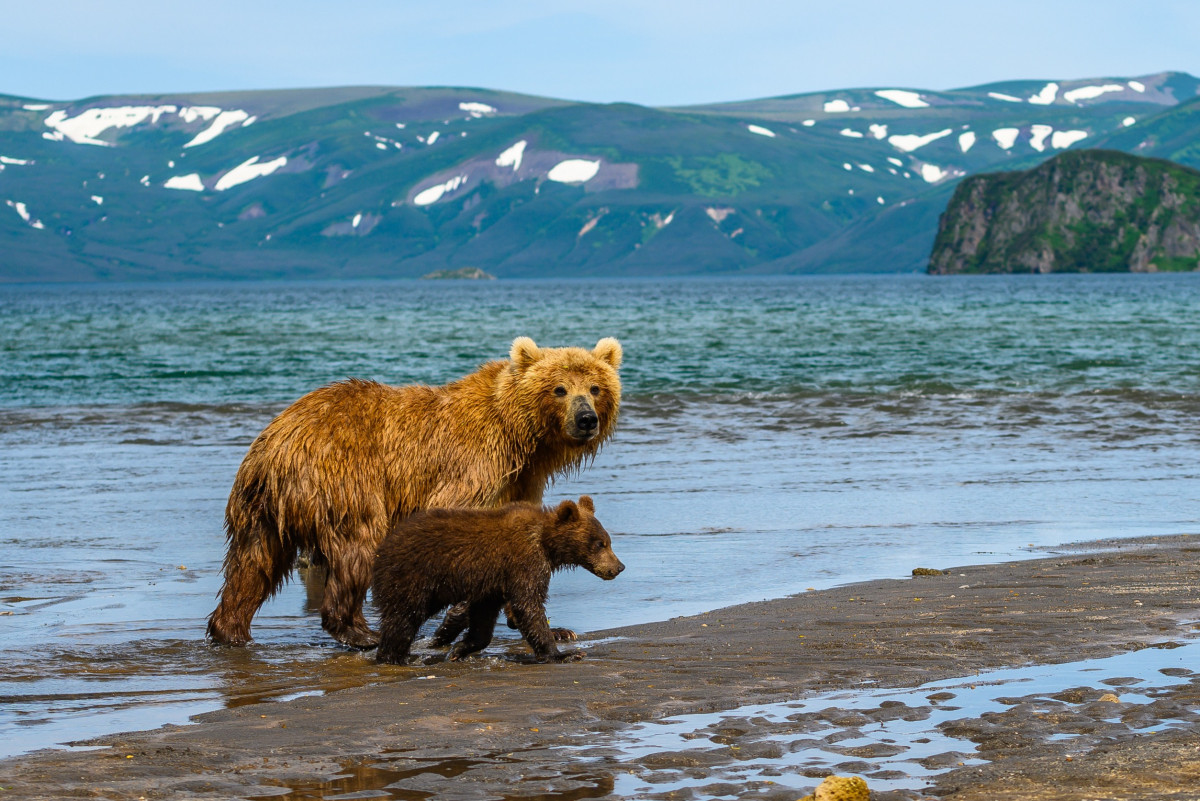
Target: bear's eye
<point>595,389</point>
<point>560,391</point>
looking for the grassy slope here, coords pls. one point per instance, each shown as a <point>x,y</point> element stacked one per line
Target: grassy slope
<point>736,200</point>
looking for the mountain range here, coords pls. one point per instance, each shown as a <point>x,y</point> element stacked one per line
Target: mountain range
<point>399,182</point>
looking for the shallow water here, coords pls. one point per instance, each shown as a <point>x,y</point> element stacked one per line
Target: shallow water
<point>901,739</point>
<point>777,434</point>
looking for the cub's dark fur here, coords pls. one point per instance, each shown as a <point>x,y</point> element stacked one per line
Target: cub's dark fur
<point>483,558</point>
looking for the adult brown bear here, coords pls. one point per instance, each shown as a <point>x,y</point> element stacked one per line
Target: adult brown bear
<point>335,469</point>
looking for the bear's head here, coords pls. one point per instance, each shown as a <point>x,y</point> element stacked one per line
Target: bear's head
<point>577,539</point>
<point>572,395</point>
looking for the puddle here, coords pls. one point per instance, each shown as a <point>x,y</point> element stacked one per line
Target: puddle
<point>900,739</point>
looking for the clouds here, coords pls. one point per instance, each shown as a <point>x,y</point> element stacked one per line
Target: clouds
<point>658,53</point>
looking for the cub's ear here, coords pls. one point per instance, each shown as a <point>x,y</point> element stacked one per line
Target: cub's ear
<point>609,350</point>
<point>524,352</point>
<point>566,512</point>
<point>585,503</point>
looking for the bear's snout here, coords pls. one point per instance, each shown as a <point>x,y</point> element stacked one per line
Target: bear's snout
<point>608,568</point>
<point>584,422</point>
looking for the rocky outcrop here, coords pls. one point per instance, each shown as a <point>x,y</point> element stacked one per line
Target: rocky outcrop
<point>1082,211</point>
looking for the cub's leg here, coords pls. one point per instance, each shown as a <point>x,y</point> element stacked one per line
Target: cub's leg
<point>530,617</point>
<point>456,621</point>
<point>560,634</point>
<point>482,616</point>
<point>396,634</point>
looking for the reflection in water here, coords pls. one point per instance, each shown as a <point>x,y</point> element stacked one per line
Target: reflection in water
<point>902,739</point>
<point>383,778</point>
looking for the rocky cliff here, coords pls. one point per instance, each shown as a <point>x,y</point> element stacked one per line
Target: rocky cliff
<point>1083,211</point>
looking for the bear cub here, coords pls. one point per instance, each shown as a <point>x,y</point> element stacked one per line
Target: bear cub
<point>484,558</point>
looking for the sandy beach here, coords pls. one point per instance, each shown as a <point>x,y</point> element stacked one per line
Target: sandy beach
<point>500,727</point>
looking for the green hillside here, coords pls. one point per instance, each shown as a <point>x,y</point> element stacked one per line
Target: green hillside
<point>385,181</point>
<point>1085,211</point>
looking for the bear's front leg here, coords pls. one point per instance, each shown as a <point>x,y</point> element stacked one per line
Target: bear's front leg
<point>530,617</point>
<point>482,616</point>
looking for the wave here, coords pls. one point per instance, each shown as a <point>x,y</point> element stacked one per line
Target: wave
<point>1117,414</point>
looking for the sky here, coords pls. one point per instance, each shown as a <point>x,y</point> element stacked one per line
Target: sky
<point>638,51</point>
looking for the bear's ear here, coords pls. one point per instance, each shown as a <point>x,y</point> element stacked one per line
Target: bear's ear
<point>524,352</point>
<point>585,503</point>
<point>609,350</point>
<point>566,512</point>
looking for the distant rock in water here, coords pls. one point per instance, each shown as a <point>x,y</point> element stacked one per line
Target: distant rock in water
<point>1086,211</point>
<point>462,273</point>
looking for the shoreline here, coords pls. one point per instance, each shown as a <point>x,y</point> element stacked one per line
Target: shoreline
<point>498,726</point>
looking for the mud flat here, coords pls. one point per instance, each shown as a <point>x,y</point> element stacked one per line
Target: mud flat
<point>1068,677</point>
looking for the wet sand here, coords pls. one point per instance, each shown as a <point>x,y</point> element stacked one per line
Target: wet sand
<point>498,727</point>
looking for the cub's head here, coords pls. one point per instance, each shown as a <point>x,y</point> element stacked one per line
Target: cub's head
<point>573,394</point>
<point>576,538</point>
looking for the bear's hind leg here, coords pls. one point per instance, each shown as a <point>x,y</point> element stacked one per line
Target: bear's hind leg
<point>255,566</point>
<point>345,590</point>
<point>482,616</point>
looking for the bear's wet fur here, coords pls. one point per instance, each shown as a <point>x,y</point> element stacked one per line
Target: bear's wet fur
<point>336,469</point>
<point>483,559</point>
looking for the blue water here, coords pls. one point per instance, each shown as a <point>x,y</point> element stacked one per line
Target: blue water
<point>777,434</point>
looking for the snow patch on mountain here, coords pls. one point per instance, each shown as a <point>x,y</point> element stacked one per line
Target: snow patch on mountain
<point>966,141</point>
<point>248,170</point>
<point>21,210</point>
<point>1037,136</point>
<point>1091,92</point>
<point>902,97</point>
<point>433,137</point>
<point>1006,137</point>
<point>1004,97</point>
<point>836,107</point>
<point>224,121</point>
<point>511,157</point>
<point>190,182</point>
<point>193,113</point>
<point>1137,86</point>
<point>434,193</point>
<point>574,171</point>
<point>910,142</point>
<point>86,126</point>
<point>476,109</point>
<point>878,131</point>
<point>851,133</point>
<point>761,131</point>
<point>1061,139</point>
<point>14,162</point>
<point>933,173</point>
<point>1046,96</point>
